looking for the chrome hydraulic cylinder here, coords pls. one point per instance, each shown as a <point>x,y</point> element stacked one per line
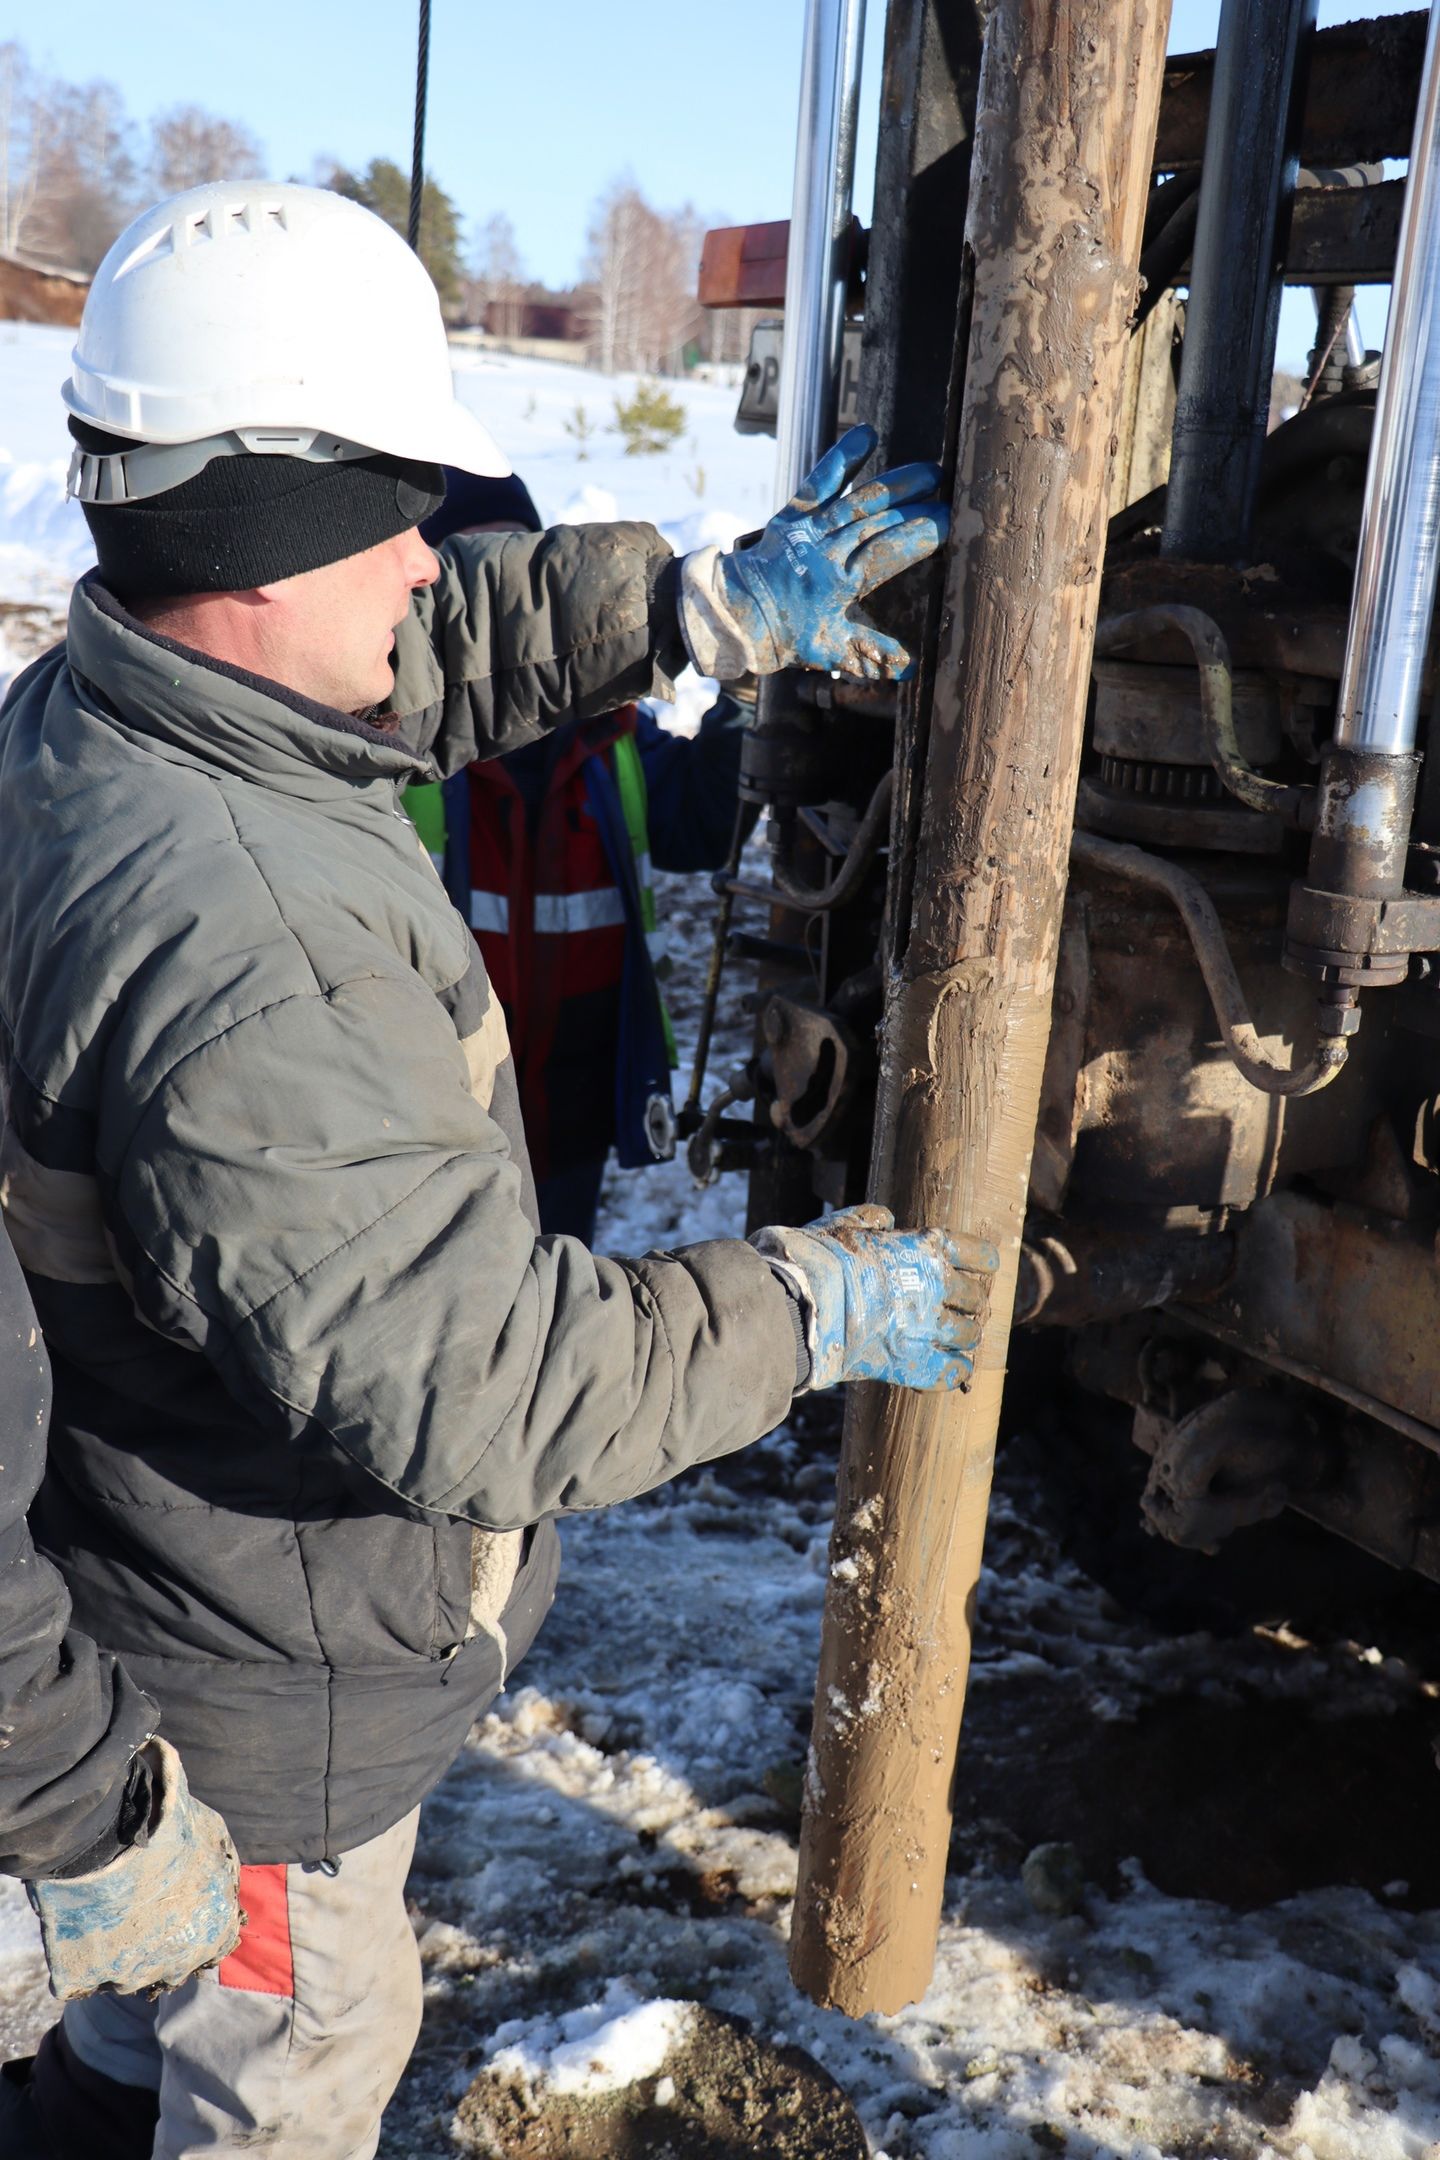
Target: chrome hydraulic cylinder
<point>1395,569</point>
<point>817,266</point>
<point>1367,784</point>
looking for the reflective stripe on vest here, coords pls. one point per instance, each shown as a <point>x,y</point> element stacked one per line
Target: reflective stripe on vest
<point>489,911</point>
<point>556,914</point>
<point>603,907</point>
<point>635,804</point>
<point>655,937</point>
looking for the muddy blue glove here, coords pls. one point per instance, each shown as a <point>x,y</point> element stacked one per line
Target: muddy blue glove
<point>160,1911</point>
<point>789,600</point>
<point>885,1304</point>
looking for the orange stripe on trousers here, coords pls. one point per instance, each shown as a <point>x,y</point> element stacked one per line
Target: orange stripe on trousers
<point>262,1962</point>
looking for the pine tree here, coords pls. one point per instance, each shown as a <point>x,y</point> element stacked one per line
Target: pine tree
<point>383,188</point>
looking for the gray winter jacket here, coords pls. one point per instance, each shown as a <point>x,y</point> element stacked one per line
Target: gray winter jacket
<point>264,1174</point>
<point>65,1703</point>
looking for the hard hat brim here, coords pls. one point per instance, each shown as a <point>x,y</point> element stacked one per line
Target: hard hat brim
<point>467,442</point>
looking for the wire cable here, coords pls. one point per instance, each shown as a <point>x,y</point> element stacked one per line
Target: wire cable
<point>417,148</point>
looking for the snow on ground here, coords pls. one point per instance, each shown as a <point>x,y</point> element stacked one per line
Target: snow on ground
<point>25,2005</point>
<point>604,2047</point>
<point>711,486</point>
<point>44,545</point>
<point>617,1831</point>
<point>618,1840</point>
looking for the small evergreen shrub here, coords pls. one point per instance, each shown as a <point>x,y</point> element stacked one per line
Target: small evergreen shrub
<point>650,421</point>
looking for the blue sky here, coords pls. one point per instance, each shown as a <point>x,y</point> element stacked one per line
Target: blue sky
<point>532,108</point>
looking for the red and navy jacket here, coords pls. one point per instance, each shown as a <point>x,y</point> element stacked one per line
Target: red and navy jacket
<point>539,859</point>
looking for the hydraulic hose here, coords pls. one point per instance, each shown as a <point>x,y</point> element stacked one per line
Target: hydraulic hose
<point>869,833</point>
<point>744,826</point>
<point>1197,911</point>
<point>1293,805</point>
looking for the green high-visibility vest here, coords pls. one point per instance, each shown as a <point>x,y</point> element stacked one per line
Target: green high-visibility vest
<point>635,802</point>
<point>424,803</point>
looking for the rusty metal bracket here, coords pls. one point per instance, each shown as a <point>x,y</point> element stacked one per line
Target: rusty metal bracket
<point>1342,930</point>
<point>1236,1460</point>
<point>1075,1273</point>
<point>814,1060</point>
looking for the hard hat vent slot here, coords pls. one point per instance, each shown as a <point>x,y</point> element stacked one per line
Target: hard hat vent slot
<point>187,359</point>
<point>151,249</point>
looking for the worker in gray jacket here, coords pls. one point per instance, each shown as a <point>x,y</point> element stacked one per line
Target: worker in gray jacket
<point>320,1387</point>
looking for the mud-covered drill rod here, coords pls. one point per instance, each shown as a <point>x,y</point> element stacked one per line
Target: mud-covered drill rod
<point>1069,98</point>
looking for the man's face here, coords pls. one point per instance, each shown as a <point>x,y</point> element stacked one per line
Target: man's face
<point>331,631</point>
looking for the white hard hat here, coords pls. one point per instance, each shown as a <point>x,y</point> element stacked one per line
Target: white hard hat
<point>255,318</point>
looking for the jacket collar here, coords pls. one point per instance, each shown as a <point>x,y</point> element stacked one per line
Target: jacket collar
<point>206,712</point>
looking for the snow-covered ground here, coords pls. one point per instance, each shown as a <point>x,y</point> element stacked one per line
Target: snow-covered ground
<point>617,1843</point>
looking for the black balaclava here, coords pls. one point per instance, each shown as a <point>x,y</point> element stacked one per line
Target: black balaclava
<point>473,499</point>
<point>251,520</point>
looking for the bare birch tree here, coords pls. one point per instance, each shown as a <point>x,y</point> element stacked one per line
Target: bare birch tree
<point>189,146</point>
<point>675,309</point>
<point>85,173</point>
<point>640,271</point>
<point>19,163</point>
<point>67,173</point>
<point>614,273</point>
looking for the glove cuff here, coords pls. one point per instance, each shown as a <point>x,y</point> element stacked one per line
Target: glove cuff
<point>131,1825</point>
<point>719,642</point>
<point>816,1279</point>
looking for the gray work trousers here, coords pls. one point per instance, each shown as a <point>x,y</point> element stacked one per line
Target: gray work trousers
<point>291,2048</point>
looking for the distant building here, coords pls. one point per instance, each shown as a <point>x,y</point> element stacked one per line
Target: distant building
<point>40,292</point>
<point>530,313</point>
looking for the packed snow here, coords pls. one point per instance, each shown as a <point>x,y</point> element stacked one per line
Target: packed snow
<point>603,2047</point>
<point>617,1841</point>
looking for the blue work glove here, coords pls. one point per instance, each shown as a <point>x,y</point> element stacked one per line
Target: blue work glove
<point>884,1304</point>
<point>158,1912</point>
<point>789,600</point>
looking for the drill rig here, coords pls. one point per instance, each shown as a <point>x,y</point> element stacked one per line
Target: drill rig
<point>1229,1185</point>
